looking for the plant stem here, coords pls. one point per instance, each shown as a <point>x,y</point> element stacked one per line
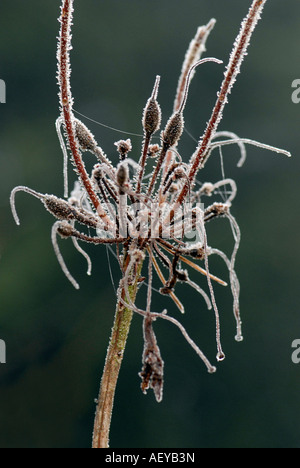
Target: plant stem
<point>66,104</point>
<point>114,358</point>
<point>236,58</point>
<point>123,314</point>
<point>66,99</point>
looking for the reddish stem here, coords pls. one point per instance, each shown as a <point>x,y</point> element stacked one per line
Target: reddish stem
<point>236,58</point>
<point>143,163</point>
<point>66,100</point>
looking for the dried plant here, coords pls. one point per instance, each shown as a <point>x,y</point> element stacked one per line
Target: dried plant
<point>147,211</point>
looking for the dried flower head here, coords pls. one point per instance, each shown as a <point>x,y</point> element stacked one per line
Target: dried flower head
<point>124,147</point>
<point>151,217</point>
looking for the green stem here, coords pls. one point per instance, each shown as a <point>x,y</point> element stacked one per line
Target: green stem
<point>114,358</point>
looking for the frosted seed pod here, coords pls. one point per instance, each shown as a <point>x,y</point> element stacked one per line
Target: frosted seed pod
<point>97,174</point>
<point>152,112</point>
<point>179,173</point>
<point>173,131</point>
<point>64,211</point>
<point>59,207</point>
<point>152,117</point>
<point>123,147</point>
<point>122,175</point>
<point>207,189</point>
<point>153,150</point>
<point>64,229</point>
<point>84,137</point>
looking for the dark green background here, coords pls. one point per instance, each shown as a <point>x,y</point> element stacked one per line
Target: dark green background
<point>56,337</point>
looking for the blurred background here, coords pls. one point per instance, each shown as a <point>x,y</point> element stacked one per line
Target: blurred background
<point>57,337</point>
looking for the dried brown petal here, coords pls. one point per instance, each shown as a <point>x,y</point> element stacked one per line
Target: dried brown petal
<point>152,373</point>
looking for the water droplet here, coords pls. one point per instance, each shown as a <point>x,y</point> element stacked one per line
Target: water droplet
<point>239,338</point>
